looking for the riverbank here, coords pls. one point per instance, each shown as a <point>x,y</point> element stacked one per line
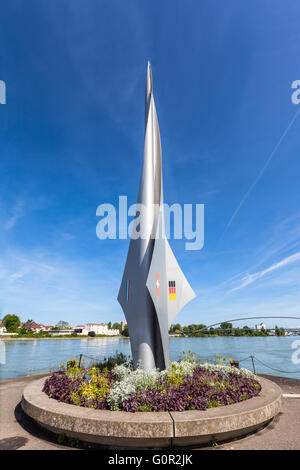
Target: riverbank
<point>26,338</point>
<point>19,432</point>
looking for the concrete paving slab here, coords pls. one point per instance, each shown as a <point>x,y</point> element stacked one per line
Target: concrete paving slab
<point>18,433</point>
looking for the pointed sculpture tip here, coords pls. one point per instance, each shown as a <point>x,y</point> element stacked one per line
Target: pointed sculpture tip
<point>148,81</point>
<point>149,71</point>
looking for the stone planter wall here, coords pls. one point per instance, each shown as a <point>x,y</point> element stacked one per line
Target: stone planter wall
<point>152,429</point>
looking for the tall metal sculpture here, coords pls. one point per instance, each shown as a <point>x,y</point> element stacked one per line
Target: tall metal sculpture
<point>153,288</point>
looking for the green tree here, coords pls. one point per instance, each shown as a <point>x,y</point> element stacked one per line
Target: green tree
<point>63,325</point>
<point>246,330</point>
<point>226,328</point>
<point>22,331</point>
<point>195,329</point>
<point>226,325</point>
<point>117,326</point>
<point>125,332</point>
<point>279,331</point>
<point>11,323</point>
<point>237,332</point>
<point>175,328</point>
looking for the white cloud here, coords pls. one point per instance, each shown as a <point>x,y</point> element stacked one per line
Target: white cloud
<point>18,275</point>
<point>23,206</point>
<point>250,278</point>
<point>17,213</point>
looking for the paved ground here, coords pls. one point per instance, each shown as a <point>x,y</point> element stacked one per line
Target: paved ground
<point>18,432</point>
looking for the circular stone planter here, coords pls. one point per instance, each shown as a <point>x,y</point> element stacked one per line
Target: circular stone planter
<point>152,429</point>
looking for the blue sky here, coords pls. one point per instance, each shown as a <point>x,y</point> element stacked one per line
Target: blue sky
<point>71,138</point>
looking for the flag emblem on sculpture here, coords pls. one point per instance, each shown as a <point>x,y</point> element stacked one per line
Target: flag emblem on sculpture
<point>157,284</point>
<point>172,290</point>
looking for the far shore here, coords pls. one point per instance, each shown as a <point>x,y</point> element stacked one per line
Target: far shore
<point>24,338</point>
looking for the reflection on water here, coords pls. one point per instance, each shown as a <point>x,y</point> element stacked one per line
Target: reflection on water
<point>23,357</point>
<point>2,352</point>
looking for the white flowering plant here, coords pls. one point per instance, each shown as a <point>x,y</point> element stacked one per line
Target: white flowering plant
<point>130,382</point>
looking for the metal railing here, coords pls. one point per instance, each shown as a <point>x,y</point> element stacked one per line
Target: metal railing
<point>214,361</point>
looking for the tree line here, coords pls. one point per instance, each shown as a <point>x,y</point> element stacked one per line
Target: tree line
<point>225,329</point>
<point>12,325</point>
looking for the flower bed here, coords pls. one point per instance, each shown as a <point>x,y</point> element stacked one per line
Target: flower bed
<point>186,385</point>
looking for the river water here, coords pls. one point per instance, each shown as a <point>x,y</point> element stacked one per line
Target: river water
<point>23,357</point>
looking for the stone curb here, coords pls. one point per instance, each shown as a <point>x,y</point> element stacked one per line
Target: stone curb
<point>156,429</point>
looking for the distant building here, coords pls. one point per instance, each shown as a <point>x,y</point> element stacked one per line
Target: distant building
<point>47,327</point>
<point>101,329</point>
<point>61,332</point>
<point>2,329</point>
<point>123,323</point>
<point>81,330</point>
<point>35,327</point>
<point>261,327</point>
<point>98,328</point>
